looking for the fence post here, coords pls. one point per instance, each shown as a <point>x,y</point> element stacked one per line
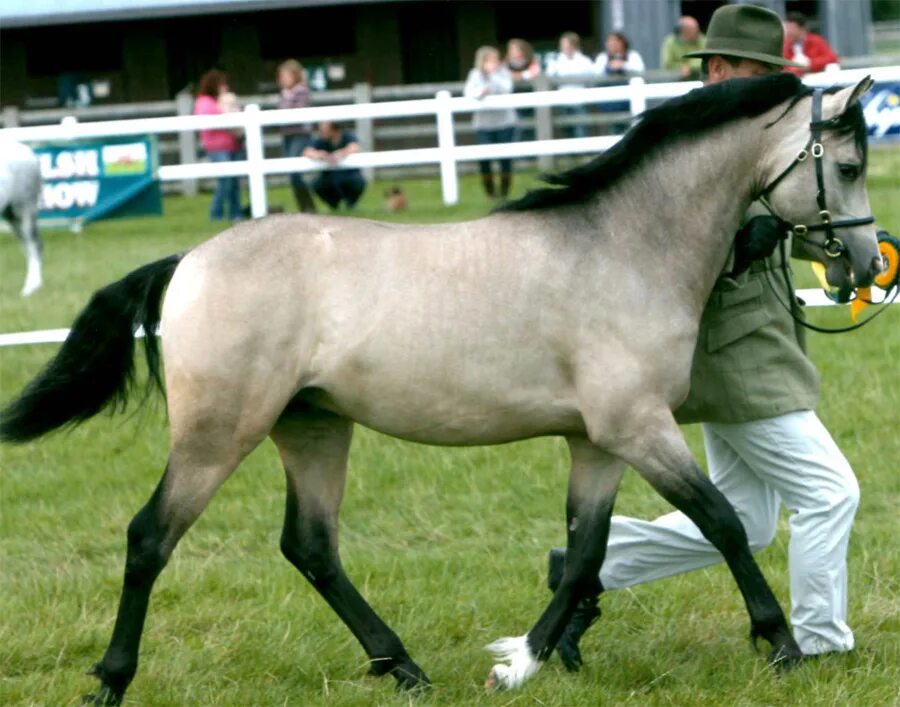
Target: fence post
<point>362,93</point>
<point>543,122</point>
<point>255,157</point>
<point>187,141</point>
<point>637,99</point>
<point>446,143</point>
<point>11,117</point>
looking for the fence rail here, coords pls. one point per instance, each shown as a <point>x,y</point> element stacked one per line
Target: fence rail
<point>442,109</point>
<point>812,298</point>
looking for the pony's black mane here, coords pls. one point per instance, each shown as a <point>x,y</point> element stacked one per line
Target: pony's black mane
<point>691,114</point>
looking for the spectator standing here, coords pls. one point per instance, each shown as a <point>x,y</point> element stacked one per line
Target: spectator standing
<point>489,77</point>
<point>220,145</point>
<point>336,184</point>
<point>295,138</point>
<point>810,50</point>
<point>568,64</point>
<point>686,38</point>
<point>617,61</point>
<point>618,58</point>
<point>520,60</point>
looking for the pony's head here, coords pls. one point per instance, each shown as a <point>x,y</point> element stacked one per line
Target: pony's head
<point>813,177</point>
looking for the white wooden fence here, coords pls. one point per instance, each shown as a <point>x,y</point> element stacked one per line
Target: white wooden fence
<point>442,108</point>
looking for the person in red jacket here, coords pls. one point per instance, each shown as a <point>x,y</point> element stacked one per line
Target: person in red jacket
<point>807,48</point>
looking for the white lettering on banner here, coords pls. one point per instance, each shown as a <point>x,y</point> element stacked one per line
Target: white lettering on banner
<point>63,196</point>
<point>70,163</point>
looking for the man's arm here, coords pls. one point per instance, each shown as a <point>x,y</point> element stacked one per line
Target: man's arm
<point>348,149</point>
<point>819,52</point>
<point>315,154</point>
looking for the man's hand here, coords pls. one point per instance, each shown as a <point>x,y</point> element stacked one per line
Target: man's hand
<point>757,240</point>
<point>320,155</point>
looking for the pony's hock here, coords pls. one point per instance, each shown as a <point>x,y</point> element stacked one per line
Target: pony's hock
<point>297,327</point>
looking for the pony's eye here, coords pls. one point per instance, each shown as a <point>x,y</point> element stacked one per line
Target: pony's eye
<point>849,171</point>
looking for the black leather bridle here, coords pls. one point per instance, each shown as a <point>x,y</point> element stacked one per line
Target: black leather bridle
<point>833,246</point>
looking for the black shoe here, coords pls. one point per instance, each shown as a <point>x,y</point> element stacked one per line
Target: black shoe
<point>586,613</point>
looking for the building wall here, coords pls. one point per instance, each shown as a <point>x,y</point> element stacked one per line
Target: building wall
<point>380,43</point>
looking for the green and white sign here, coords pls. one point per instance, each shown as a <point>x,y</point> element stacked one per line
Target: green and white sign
<point>90,181</point>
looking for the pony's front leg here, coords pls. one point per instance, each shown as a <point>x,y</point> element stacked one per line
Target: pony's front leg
<point>593,483</point>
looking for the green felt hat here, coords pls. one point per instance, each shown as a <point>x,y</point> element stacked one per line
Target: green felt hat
<point>746,32</point>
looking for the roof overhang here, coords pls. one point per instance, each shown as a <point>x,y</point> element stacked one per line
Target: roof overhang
<point>16,13</point>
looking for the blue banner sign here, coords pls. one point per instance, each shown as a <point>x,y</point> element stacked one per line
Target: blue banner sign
<point>89,181</point>
<point>881,106</point>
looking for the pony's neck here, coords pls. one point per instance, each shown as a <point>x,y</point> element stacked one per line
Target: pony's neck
<point>690,198</point>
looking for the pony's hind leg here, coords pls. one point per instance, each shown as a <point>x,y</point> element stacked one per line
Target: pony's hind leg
<point>184,491</point>
<point>24,223</point>
<point>664,460</point>
<point>314,446</point>
<point>593,483</point>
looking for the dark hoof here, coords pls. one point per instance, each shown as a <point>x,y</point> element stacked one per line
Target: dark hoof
<point>104,696</point>
<point>785,654</point>
<point>410,677</point>
<point>785,658</point>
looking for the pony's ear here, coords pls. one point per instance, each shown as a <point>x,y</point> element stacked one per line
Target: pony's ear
<point>850,96</point>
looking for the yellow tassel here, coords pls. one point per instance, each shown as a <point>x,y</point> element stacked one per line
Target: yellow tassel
<point>819,271</point>
<point>863,297</point>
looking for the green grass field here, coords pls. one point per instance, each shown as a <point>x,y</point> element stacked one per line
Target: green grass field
<point>448,545</point>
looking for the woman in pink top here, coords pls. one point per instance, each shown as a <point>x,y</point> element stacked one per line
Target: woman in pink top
<point>220,146</point>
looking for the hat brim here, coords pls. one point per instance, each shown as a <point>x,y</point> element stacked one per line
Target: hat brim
<point>756,56</point>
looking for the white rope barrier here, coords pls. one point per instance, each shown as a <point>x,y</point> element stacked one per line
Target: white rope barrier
<point>812,298</point>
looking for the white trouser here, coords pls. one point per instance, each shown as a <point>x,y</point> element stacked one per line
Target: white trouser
<point>790,459</point>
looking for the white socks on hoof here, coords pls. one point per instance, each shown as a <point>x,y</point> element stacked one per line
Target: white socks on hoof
<point>519,663</point>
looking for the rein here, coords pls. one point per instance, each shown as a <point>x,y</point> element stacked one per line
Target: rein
<point>833,246</point>
<point>802,322</point>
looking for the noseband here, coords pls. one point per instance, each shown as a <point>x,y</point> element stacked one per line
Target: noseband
<point>833,246</point>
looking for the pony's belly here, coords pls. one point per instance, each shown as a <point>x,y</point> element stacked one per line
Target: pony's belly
<point>453,420</point>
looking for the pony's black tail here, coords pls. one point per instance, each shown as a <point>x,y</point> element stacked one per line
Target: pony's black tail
<point>95,366</point>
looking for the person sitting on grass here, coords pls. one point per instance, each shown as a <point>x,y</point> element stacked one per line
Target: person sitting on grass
<point>336,184</point>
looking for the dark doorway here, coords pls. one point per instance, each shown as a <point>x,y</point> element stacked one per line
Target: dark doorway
<point>428,42</point>
<point>193,48</point>
<point>700,10</point>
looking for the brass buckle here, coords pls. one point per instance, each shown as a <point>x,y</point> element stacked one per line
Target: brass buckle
<point>800,230</point>
<point>817,150</point>
<point>803,155</point>
<point>833,248</point>
<point>825,215</point>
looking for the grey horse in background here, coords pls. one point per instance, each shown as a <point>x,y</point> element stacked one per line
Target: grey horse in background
<point>573,311</point>
<point>20,194</point>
